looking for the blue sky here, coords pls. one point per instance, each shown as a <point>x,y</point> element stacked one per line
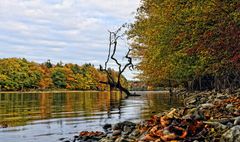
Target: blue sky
<point>71,31</point>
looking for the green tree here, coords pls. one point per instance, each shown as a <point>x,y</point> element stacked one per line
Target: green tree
<point>19,74</point>
<point>59,77</point>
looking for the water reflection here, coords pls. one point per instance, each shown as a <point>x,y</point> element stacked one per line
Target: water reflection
<point>41,115</point>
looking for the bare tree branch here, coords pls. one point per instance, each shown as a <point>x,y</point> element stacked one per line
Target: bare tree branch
<point>109,50</point>
<point>113,38</point>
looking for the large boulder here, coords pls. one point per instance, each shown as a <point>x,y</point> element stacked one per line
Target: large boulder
<point>232,135</point>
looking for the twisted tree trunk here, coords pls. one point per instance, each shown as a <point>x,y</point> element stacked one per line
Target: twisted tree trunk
<point>113,38</point>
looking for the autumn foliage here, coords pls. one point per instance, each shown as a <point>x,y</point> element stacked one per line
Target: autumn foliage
<point>193,43</point>
<point>20,74</point>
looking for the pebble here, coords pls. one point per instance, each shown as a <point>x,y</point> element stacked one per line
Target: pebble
<point>114,137</point>
<point>116,126</point>
<point>237,113</point>
<point>225,121</point>
<point>106,127</point>
<point>127,129</point>
<point>229,106</point>
<point>207,105</point>
<point>229,124</point>
<point>116,132</point>
<point>76,137</point>
<point>217,100</point>
<point>197,109</point>
<point>191,101</point>
<point>221,96</point>
<point>135,133</point>
<point>210,97</point>
<point>203,100</point>
<point>61,139</point>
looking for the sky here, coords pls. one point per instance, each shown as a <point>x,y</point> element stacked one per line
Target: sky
<point>71,31</point>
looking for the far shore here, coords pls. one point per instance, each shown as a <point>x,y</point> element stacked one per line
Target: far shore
<point>45,91</point>
<point>67,91</point>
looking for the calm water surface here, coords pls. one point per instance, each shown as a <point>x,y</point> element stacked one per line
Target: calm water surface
<point>46,117</point>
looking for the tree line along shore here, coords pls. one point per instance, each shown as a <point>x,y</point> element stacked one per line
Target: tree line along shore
<point>18,74</point>
<point>190,43</point>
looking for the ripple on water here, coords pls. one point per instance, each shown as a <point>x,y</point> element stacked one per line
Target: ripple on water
<point>48,117</point>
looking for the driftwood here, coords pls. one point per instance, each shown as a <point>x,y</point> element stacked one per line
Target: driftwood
<point>113,38</point>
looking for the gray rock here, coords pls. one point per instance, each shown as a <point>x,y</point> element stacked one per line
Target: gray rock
<point>192,111</point>
<point>124,136</point>
<point>135,133</point>
<point>228,91</point>
<point>188,116</point>
<point>106,127</point>
<point>119,139</point>
<point>106,140</point>
<point>216,125</point>
<point>232,135</point>
<point>120,126</point>
<point>128,140</point>
<point>224,120</point>
<point>210,97</point>
<point>229,124</point>
<point>191,101</point>
<point>127,129</point>
<point>114,137</point>
<point>128,123</point>
<point>207,105</point>
<point>61,139</point>
<point>221,96</point>
<point>217,100</point>
<point>116,132</point>
<point>237,113</point>
<point>109,136</point>
<point>229,106</point>
<point>237,121</point>
<point>202,100</point>
<point>198,115</point>
<point>117,126</point>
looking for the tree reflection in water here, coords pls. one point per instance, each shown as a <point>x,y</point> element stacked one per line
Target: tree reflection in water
<point>18,109</point>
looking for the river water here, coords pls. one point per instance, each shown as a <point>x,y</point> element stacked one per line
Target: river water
<point>47,117</point>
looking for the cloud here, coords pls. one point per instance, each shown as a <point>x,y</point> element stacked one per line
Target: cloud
<point>67,30</point>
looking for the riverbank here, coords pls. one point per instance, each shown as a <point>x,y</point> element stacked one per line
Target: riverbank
<point>207,116</point>
<point>45,91</point>
<point>68,91</point>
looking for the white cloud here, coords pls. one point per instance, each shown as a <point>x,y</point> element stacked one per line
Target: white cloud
<point>68,30</point>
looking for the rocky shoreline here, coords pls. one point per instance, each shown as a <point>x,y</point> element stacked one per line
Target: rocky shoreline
<point>206,117</point>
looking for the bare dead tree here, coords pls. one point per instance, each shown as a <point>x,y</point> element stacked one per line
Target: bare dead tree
<point>113,42</point>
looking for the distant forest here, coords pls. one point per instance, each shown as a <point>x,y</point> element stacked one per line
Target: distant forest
<point>20,75</point>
